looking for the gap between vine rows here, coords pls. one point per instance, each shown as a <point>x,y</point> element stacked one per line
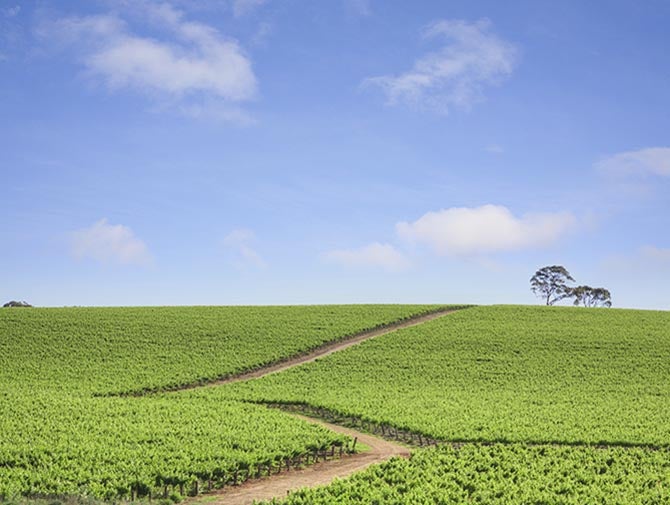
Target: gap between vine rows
<point>307,356</point>
<point>277,485</point>
<point>319,473</point>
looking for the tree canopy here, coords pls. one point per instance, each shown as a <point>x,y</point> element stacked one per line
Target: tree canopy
<point>551,283</point>
<point>14,303</point>
<point>592,297</point>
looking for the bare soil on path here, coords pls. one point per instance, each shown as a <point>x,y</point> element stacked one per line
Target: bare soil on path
<point>322,473</point>
<point>327,349</point>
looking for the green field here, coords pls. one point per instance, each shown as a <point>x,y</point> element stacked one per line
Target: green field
<point>507,474</point>
<point>526,374</point>
<point>547,404</point>
<point>108,350</point>
<point>60,438</point>
<point>112,447</point>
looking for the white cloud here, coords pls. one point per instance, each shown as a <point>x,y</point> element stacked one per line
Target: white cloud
<point>486,229</point>
<point>191,60</point>
<point>649,161</point>
<point>109,243</point>
<point>239,243</point>
<point>384,256</point>
<point>456,74</point>
<point>242,7</point>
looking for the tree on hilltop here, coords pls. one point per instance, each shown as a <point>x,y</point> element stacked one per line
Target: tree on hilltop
<point>551,283</point>
<point>591,297</point>
<point>14,303</point>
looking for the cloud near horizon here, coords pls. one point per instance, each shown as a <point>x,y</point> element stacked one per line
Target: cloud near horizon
<point>108,243</point>
<point>383,256</point>
<point>646,261</point>
<point>191,60</point>
<point>472,58</point>
<point>465,231</point>
<point>648,161</point>
<point>239,243</point>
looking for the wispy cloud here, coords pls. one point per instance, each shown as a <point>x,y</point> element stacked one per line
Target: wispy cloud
<point>359,7</point>
<point>494,149</point>
<point>10,12</point>
<point>239,243</point>
<point>643,162</point>
<point>215,111</point>
<point>191,61</point>
<point>472,58</point>
<point>108,243</point>
<point>383,256</point>
<point>263,33</point>
<point>646,261</point>
<point>488,229</point>
<point>243,7</point>
<point>11,32</point>
<point>656,254</point>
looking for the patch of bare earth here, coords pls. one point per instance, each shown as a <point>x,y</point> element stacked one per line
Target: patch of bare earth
<point>322,473</point>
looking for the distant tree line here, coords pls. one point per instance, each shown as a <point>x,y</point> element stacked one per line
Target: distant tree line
<point>551,284</point>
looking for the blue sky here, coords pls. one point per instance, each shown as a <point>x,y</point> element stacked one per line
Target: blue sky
<point>287,151</point>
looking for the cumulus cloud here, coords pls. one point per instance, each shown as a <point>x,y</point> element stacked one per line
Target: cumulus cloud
<point>649,161</point>
<point>108,243</point>
<point>239,243</point>
<point>487,229</point>
<point>384,256</point>
<point>472,58</point>
<point>190,60</point>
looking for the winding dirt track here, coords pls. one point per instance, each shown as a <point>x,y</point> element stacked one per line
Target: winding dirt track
<point>277,486</point>
<point>327,349</point>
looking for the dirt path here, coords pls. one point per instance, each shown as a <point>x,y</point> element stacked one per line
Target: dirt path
<point>327,349</point>
<point>322,473</point>
<point>318,474</point>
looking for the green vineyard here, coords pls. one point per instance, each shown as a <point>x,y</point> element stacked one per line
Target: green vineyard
<point>499,374</point>
<point>510,474</point>
<point>518,405</point>
<point>114,448</point>
<point>113,350</point>
<point>64,435</point>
